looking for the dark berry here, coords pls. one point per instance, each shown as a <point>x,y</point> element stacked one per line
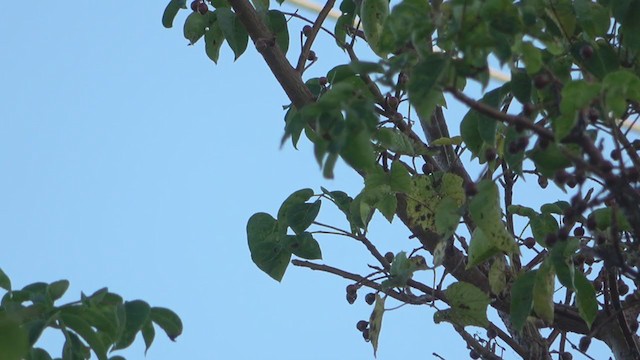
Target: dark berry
<point>362,325</point>
<point>578,259</point>
<point>591,223</point>
<point>589,259</point>
<point>203,8</point>
<point>586,52</point>
<point>194,5</point>
<point>551,239</point>
<point>427,168</point>
<point>352,297</point>
<point>593,115</point>
<point>529,242</point>
<point>389,256</point>
<point>543,182</point>
<point>365,334</point>
<point>490,154</point>
<point>561,176</point>
<point>370,298</point>
<point>580,177</point>
<point>623,288</point>
<point>632,174</point>
<point>474,354</point>
<point>563,233</point>
<point>541,80</point>
<point>566,356</point>
<point>523,142</point>
<point>312,56</point>
<point>584,343</point>
<point>491,333</point>
<point>579,231</point>
<point>606,166</point>
<point>597,284</point>
<point>615,154</point>
<point>306,30</point>
<point>393,102</point>
<point>513,147</point>
<point>572,182</point>
<point>636,144</point>
<point>470,189</point>
<point>528,109</point>
<point>600,239</point>
<point>323,81</point>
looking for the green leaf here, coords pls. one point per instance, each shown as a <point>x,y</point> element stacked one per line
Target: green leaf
<point>277,23</point>
<point>195,26</point>
<point>522,211</point>
<point>532,57</point>
<point>477,129</point>
<point>521,85</point>
<point>604,216</point>
<point>235,34</point>
<point>304,246</point>
<point>498,275</point>
<point>171,11</point>
<point>387,205</point>
<point>481,248</point>
<point>213,40</point>
<point>561,257</point>
<point>621,86</point>
<point>167,320</point>
<point>396,141</point>
<point>447,217</point>
<point>522,299</point>
<point>543,225</point>
<point>344,22</point>
<point>81,327</point>
<point>576,95</point>
<point>261,5</point>
<point>592,17</point>
<point>402,269</point>
<point>485,211</point>
<point>399,178</point>
<point>358,151</point>
<point>468,306</point>
<point>57,288</point>
<point>148,334</point>
<point>550,159</point>
<point>5,282</point>
<point>423,92</point>
<point>373,14</point>
<point>13,342</point>
<point>298,197</point>
<point>268,250</point>
<point>38,354</point>
<point>375,322</point>
<point>446,141</point>
<point>543,293</point>
<point>585,298</point>
<point>137,312</point>
<point>301,216</point>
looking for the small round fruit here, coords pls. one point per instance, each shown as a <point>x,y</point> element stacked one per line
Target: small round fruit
<point>543,182</point>
<point>490,154</point>
<point>312,56</point>
<point>427,168</point>
<point>203,8</point>
<point>623,288</point>
<point>586,52</point>
<point>566,356</point>
<point>529,242</point>
<point>579,231</point>
<point>194,5</point>
<point>491,333</point>
<point>370,298</point>
<point>470,189</point>
<point>365,334</point>
<point>584,343</point>
<point>362,325</point>
<point>540,81</point>
<point>389,256</point>
<point>393,102</point>
<point>306,30</point>
<point>474,354</point>
<point>323,81</point>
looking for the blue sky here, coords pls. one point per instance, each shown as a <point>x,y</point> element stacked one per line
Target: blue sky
<point>130,160</point>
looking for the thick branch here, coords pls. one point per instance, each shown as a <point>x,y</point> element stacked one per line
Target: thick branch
<point>265,43</point>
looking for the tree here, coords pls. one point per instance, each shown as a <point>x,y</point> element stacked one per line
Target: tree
<point>99,323</point>
<point>545,276</point>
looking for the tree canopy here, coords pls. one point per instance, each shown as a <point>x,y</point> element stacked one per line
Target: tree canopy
<point>551,278</point>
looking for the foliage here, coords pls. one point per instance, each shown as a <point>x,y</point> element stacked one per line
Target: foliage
<point>562,116</point>
<point>97,324</point>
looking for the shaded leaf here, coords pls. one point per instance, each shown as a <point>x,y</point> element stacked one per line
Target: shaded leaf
<point>298,197</point>
<point>5,282</point>
<point>585,298</point>
<point>522,298</point>
<point>373,14</point>
<point>304,246</point>
<point>277,23</point>
<point>81,327</point>
<point>148,334</point>
<point>213,40</point>
<point>168,321</point>
<point>136,314</point>
<point>267,249</point>
<point>171,11</point>
<point>301,216</point>
<point>235,34</point>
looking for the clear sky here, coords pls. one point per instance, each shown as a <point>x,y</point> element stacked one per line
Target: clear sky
<point>130,160</point>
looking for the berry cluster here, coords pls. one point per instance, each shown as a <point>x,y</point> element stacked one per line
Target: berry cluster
<point>200,6</point>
